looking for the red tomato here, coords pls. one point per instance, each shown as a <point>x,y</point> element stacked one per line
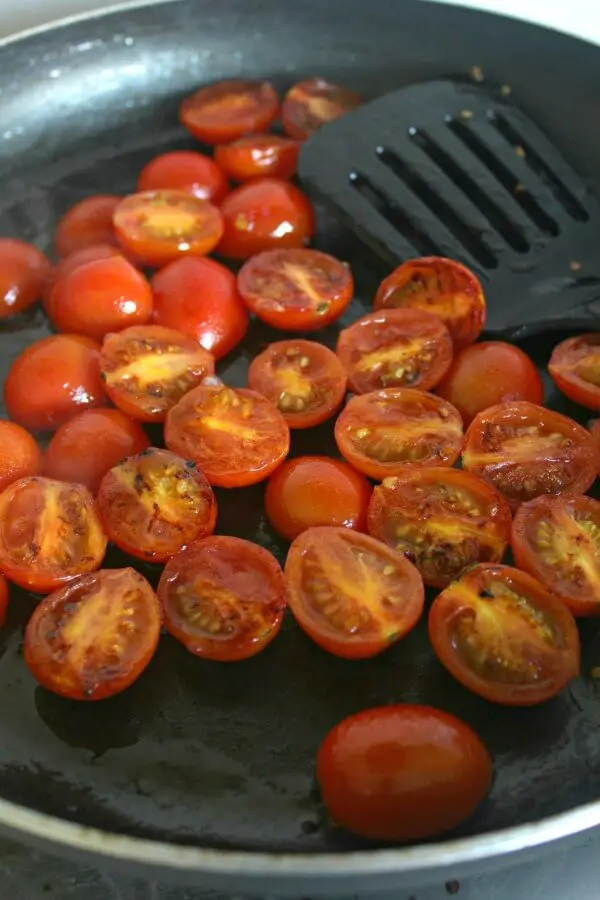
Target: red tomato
<point>524,450</point>
<point>296,290</point>
<point>20,455</point>
<point>88,222</point>
<point>147,370</point>
<point>223,598</point>
<point>236,436</point>
<point>263,215</point>
<point>200,298</point>
<point>575,368</point>
<point>3,599</point>
<point>49,533</point>
<point>504,636</point>
<point>52,380</point>
<point>440,286</point>
<point>91,443</point>
<point>304,380</point>
<point>72,262</point>
<point>402,773</point>
<point>161,226</point>
<point>308,105</point>
<point>93,638</point>
<point>441,519</point>
<point>184,170</point>
<point>100,297</point>
<point>24,272</point>
<point>314,490</point>
<point>351,594</point>
<point>226,110</point>
<point>385,431</point>
<point>489,373</point>
<point>256,155</point>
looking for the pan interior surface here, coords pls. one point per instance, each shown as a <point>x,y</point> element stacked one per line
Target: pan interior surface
<point>223,755</point>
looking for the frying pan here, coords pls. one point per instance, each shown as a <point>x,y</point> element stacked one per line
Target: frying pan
<point>204,772</point>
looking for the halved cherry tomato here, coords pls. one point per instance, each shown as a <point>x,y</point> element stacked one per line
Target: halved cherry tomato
<point>199,297</point>
<point>94,638</point>
<point>184,170</point>
<point>488,373</point>
<point>504,636</point>
<point>524,450</point>
<point>557,540</point>
<point>395,348</point>
<point>351,594</point>
<point>20,455</point>
<point>3,599</point>
<point>100,297</point>
<point>256,155</point>
<point>161,226</point>
<point>315,490</point>
<point>265,214</point>
<point>440,286</point>
<point>305,380</point>
<point>575,368</point>
<point>147,370</point>
<point>52,380</point>
<point>71,262</point>
<point>226,110</point>
<point>49,533</point>
<point>402,773</point>
<point>383,432</point>
<point>223,598</point>
<point>154,503</point>
<point>88,222</point>
<point>296,290</point>
<point>24,273</point>
<point>91,443</point>
<point>441,519</point>
<point>236,436</point>
<point>308,105</point>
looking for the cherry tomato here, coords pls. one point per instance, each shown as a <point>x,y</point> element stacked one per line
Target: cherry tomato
<point>308,105</point>
<point>91,443</point>
<point>24,272</point>
<point>402,773</point>
<point>52,380</point>
<point>265,214</point>
<point>524,450</point>
<point>88,222</point>
<point>304,380</point>
<point>226,110</point>
<point>200,298</point>
<point>161,226</point>
<point>296,290</point>
<point>504,636</point>
<point>575,368</point>
<point>94,637</point>
<point>223,598</point>
<point>184,170</point>
<point>49,533</point>
<point>385,431</point>
<point>71,262</point>
<point>20,455</point>
<point>100,297</point>
<point>256,155</point>
<point>147,370</point>
<point>315,490</point>
<point>489,373</point>
<point>3,599</point>
<point>440,286</point>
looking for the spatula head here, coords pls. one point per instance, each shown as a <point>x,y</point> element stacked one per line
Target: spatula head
<point>448,169</point>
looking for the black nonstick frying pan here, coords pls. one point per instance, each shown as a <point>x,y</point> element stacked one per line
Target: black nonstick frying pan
<point>204,772</point>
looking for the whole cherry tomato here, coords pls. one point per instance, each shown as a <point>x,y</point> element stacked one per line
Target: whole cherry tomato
<point>20,455</point>
<point>257,155</point>
<point>71,262</point>
<point>88,222</point>
<point>184,170</point>
<point>24,273</point>
<point>226,110</point>
<point>308,105</point>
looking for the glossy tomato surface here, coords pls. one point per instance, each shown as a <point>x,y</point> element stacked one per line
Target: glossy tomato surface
<point>88,222</point>
<point>71,262</point>
<point>257,155</point>
<point>20,454</point>
<point>309,104</point>
<point>226,110</point>
<point>24,273</point>
<point>575,368</point>
<point>184,170</point>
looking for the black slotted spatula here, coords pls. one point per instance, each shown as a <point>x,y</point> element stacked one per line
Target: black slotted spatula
<point>448,169</point>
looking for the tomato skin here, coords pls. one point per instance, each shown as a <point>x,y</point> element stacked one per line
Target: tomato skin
<point>309,104</point>
<point>87,222</point>
<point>71,262</point>
<point>3,599</point>
<point>226,110</point>
<point>594,428</point>
<point>257,155</point>
<point>20,455</point>
<point>68,655</point>
<point>24,272</point>
<point>52,380</point>
<point>315,490</point>
<point>574,367</point>
<point>263,215</point>
<point>184,170</point>
<point>402,773</point>
<point>199,297</point>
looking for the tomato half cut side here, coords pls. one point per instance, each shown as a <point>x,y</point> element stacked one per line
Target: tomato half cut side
<point>3,599</point>
<point>353,595</point>
<point>94,637</point>
<point>223,598</point>
<point>184,170</point>
<point>226,110</point>
<point>382,432</point>
<point>20,454</point>
<point>257,155</point>
<point>305,380</point>
<point>24,276</point>
<point>88,222</point>
<point>575,369</point>
<point>309,104</point>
